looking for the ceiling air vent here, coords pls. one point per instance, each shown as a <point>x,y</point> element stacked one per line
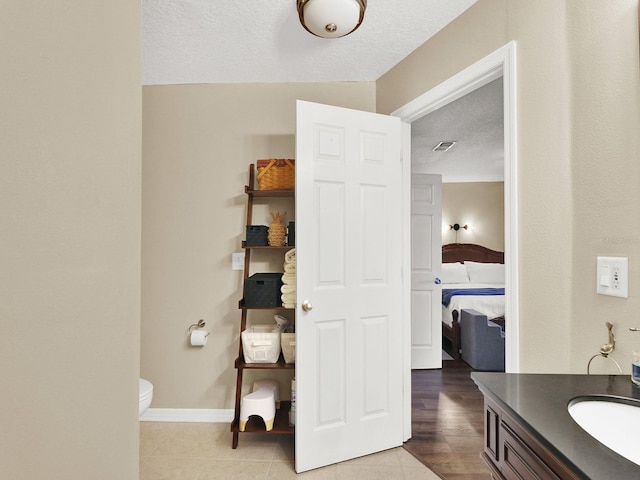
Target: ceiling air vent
<point>443,146</point>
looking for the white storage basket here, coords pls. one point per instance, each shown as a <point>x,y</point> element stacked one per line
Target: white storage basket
<point>261,347</point>
<point>289,347</point>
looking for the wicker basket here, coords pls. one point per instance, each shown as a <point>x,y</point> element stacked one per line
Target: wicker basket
<point>276,174</point>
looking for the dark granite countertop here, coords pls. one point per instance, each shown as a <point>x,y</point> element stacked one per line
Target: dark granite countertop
<point>540,402</point>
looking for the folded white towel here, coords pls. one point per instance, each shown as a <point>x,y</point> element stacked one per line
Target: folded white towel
<point>289,268</point>
<point>290,256</point>
<point>289,278</point>
<point>288,289</point>
<point>289,305</point>
<point>288,298</point>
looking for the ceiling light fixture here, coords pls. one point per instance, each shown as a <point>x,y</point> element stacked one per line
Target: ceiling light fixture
<point>331,18</point>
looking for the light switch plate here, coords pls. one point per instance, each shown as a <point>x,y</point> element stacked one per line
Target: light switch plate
<point>237,261</point>
<point>612,276</point>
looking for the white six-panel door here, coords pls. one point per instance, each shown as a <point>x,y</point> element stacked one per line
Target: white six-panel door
<point>426,260</point>
<point>349,363</point>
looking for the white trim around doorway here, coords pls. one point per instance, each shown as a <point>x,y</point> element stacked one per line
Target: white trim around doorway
<point>502,62</point>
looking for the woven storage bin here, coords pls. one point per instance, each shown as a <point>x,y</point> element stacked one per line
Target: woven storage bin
<point>288,341</point>
<point>262,290</point>
<point>260,347</point>
<point>276,174</point>
<point>257,236</point>
<point>291,234</point>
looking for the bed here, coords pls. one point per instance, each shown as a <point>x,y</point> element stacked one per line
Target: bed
<point>489,278</point>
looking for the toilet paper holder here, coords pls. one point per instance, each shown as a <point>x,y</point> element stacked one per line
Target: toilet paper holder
<point>201,323</point>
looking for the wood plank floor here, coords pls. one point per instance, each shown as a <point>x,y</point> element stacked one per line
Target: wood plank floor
<point>447,422</point>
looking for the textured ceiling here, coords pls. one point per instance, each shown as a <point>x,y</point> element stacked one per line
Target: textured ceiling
<point>476,123</point>
<point>239,41</point>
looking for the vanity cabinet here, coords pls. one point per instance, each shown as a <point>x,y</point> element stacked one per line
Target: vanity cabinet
<point>512,452</point>
<point>281,422</point>
<point>529,432</point>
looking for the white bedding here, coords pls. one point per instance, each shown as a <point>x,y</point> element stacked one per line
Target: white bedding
<point>491,305</point>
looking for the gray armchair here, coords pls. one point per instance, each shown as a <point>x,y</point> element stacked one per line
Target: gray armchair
<point>482,342</point>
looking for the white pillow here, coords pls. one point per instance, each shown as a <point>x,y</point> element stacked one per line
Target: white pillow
<point>485,272</point>
<point>454,273</point>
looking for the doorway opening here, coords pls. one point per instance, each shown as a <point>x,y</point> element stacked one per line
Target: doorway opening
<point>501,63</point>
<point>470,214</point>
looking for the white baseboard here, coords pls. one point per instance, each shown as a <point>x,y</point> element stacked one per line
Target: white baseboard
<point>180,415</point>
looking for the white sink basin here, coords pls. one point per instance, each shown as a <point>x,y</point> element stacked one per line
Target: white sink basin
<point>613,421</point>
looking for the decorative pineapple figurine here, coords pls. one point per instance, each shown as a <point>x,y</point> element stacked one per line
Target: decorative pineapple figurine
<point>277,231</point>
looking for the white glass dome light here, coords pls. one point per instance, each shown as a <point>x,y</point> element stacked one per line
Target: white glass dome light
<point>331,18</point>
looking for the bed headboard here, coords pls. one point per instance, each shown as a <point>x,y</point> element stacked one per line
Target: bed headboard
<point>459,252</point>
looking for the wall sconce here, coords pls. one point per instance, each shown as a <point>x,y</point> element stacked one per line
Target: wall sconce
<point>331,18</point>
<point>456,227</point>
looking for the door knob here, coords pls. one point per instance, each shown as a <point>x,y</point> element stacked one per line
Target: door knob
<point>306,306</point>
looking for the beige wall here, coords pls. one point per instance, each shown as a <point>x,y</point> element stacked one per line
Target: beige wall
<point>478,205</point>
<point>70,114</point>
<point>198,142</point>
<point>577,129</point>
<point>70,249</point>
<point>577,124</point>
<point>605,170</point>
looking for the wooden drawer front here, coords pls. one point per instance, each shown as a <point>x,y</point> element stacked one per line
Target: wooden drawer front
<point>491,431</point>
<point>519,462</point>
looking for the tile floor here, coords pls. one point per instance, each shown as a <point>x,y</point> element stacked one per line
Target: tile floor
<point>202,451</point>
